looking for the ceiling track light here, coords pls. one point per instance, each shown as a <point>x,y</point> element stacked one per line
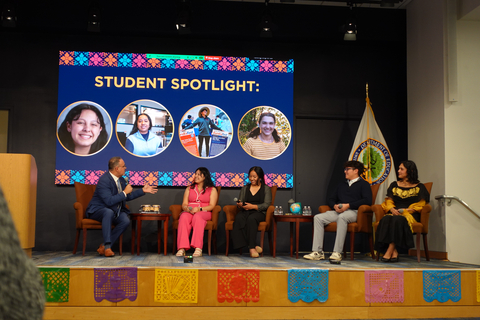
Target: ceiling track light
<point>350,26</point>
<point>266,24</point>
<point>387,3</point>
<point>94,18</point>
<point>182,23</point>
<point>9,17</point>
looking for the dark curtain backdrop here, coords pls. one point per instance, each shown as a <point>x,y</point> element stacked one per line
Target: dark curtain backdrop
<point>329,93</point>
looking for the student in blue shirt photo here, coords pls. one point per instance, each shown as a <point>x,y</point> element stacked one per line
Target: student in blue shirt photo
<point>142,141</point>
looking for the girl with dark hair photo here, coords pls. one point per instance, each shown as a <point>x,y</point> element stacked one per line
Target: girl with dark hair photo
<point>141,141</point>
<point>83,130</point>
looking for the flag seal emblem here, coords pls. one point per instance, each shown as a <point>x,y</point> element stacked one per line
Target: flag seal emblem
<point>376,158</point>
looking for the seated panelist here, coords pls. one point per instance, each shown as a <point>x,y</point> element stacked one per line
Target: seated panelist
<point>345,201</point>
<point>108,204</point>
<point>199,200</point>
<point>254,200</point>
<point>402,206</point>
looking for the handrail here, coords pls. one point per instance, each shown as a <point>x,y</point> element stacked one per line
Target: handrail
<point>449,199</point>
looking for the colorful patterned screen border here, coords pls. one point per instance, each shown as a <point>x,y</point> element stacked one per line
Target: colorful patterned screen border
<point>233,88</point>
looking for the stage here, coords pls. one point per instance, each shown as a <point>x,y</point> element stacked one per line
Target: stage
<point>346,298</point>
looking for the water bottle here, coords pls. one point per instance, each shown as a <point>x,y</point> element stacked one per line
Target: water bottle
<point>304,211</point>
<point>309,210</point>
<point>275,212</point>
<point>280,210</point>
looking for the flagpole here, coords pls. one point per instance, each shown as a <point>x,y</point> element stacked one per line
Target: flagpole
<point>369,173</point>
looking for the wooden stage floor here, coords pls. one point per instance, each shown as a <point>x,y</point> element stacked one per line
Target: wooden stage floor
<point>346,289</point>
<point>281,261</point>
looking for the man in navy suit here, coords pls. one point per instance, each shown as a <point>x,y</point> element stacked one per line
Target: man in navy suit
<point>108,204</point>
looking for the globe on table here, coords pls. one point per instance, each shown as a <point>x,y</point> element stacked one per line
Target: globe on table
<point>295,208</point>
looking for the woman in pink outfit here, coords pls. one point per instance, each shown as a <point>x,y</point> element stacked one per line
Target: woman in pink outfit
<point>199,200</point>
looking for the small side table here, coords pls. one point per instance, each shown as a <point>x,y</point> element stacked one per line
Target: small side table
<point>294,218</point>
<point>165,217</point>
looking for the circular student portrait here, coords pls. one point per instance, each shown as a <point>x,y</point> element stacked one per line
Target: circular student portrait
<point>205,131</point>
<point>144,128</point>
<point>264,132</point>
<point>84,128</point>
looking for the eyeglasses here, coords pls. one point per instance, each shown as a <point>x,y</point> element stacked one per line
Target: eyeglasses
<point>348,168</point>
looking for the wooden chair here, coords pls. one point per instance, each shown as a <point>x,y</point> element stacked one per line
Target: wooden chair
<point>363,223</point>
<point>84,193</point>
<point>211,226</point>
<point>265,226</point>
<point>418,227</point>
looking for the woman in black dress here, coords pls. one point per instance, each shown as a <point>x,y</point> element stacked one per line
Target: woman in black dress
<point>254,200</point>
<point>402,206</point>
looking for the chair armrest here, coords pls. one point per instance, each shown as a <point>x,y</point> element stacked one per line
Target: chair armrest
<point>379,213</point>
<point>215,213</point>
<point>425,217</point>
<point>175,209</point>
<point>79,214</point>
<point>230,212</point>
<point>323,209</point>
<point>364,218</point>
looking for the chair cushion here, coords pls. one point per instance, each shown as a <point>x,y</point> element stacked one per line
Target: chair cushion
<point>417,228</point>
<point>229,225</point>
<point>91,224</point>
<point>209,226</point>
<point>262,226</point>
<point>351,227</point>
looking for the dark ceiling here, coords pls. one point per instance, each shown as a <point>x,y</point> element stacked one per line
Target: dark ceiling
<point>321,21</point>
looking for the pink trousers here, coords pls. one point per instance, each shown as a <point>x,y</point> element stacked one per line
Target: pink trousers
<point>198,221</point>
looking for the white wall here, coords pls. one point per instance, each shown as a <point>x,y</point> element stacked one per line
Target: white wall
<point>426,104</point>
<point>462,149</point>
<point>444,136</point>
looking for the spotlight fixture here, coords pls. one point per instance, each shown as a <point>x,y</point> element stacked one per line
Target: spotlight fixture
<point>9,17</point>
<point>94,17</point>
<point>387,3</point>
<point>350,27</point>
<point>183,19</point>
<point>266,25</point>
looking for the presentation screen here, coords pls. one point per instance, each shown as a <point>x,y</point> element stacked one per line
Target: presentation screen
<point>166,115</point>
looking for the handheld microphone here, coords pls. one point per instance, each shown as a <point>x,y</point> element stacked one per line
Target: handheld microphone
<point>190,208</point>
<point>340,206</point>
<point>235,199</point>
<point>401,210</point>
<point>126,179</point>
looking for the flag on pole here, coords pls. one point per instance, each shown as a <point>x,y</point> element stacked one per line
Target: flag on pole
<point>371,149</point>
